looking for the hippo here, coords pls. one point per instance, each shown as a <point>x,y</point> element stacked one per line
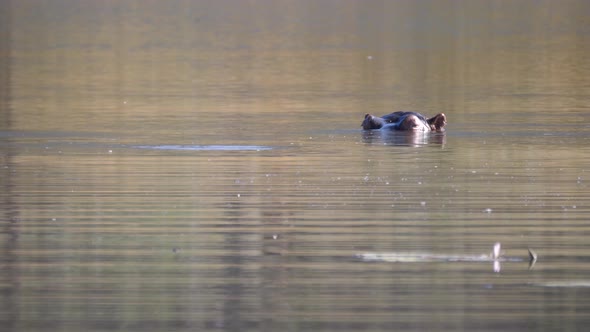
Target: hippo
<point>412,121</point>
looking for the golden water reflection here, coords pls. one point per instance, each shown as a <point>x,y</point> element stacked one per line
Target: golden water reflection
<point>198,165</point>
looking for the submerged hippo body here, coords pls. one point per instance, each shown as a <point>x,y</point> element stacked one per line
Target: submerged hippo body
<point>411,121</point>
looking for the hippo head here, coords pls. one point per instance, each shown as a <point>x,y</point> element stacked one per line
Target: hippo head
<point>408,121</point>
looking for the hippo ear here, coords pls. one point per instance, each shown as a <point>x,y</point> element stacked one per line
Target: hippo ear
<point>367,115</point>
<point>437,122</point>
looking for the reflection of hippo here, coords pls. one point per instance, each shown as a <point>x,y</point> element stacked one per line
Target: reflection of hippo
<point>405,121</point>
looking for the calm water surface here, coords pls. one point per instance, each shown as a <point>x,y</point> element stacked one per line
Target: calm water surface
<point>199,165</point>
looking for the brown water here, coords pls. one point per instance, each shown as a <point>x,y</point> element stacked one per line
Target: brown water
<point>199,165</point>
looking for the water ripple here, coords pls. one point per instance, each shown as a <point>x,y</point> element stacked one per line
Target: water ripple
<point>206,147</point>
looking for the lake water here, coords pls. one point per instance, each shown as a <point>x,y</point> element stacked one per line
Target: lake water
<point>199,165</point>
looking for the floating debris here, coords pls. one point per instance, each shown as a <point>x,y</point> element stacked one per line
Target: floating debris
<point>495,257</point>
